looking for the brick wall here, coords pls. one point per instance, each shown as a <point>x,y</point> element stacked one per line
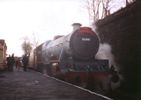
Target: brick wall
<point>122,30</point>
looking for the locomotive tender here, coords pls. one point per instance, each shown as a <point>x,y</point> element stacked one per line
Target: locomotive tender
<point>72,58</point>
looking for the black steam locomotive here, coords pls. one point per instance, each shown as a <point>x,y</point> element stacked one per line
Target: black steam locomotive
<point>72,59</point>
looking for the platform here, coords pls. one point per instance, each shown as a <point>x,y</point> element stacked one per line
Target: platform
<point>31,85</point>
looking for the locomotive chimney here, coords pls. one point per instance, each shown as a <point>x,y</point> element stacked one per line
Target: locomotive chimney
<point>76,26</point>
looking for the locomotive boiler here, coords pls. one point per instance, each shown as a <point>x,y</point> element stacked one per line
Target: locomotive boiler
<point>72,59</point>
<point>82,45</point>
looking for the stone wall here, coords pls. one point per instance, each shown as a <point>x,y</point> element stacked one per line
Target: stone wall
<point>122,30</point>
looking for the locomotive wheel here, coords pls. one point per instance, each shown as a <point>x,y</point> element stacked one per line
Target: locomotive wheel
<point>108,86</point>
<point>91,83</point>
<point>77,81</point>
<point>48,69</point>
<point>102,87</point>
<point>105,87</point>
<point>115,82</point>
<point>83,84</point>
<point>115,78</point>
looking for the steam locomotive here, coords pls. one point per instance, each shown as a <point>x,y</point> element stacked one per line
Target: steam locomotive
<point>72,58</point>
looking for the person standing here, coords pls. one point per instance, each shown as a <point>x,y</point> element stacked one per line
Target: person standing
<point>18,64</point>
<point>25,62</point>
<point>10,62</point>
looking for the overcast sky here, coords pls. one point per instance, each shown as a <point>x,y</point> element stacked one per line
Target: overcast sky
<point>44,18</point>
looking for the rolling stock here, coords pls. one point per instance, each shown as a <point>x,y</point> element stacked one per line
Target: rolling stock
<point>72,59</point>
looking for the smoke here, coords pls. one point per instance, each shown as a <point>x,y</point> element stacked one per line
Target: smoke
<point>104,52</point>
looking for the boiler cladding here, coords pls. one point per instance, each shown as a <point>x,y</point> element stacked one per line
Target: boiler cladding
<point>81,44</point>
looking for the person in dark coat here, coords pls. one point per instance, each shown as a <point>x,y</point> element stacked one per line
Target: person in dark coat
<point>25,62</point>
<point>10,62</point>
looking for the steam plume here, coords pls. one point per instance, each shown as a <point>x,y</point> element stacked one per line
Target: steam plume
<point>104,52</point>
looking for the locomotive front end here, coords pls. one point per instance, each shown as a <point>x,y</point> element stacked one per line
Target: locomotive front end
<point>84,43</point>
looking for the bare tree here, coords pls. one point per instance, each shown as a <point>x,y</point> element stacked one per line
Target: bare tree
<point>97,9</point>
<point>129,1</point>
<point>105,6</point>
<point>26,46</point>
<point>35,41</point>
<point>35,44</point>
